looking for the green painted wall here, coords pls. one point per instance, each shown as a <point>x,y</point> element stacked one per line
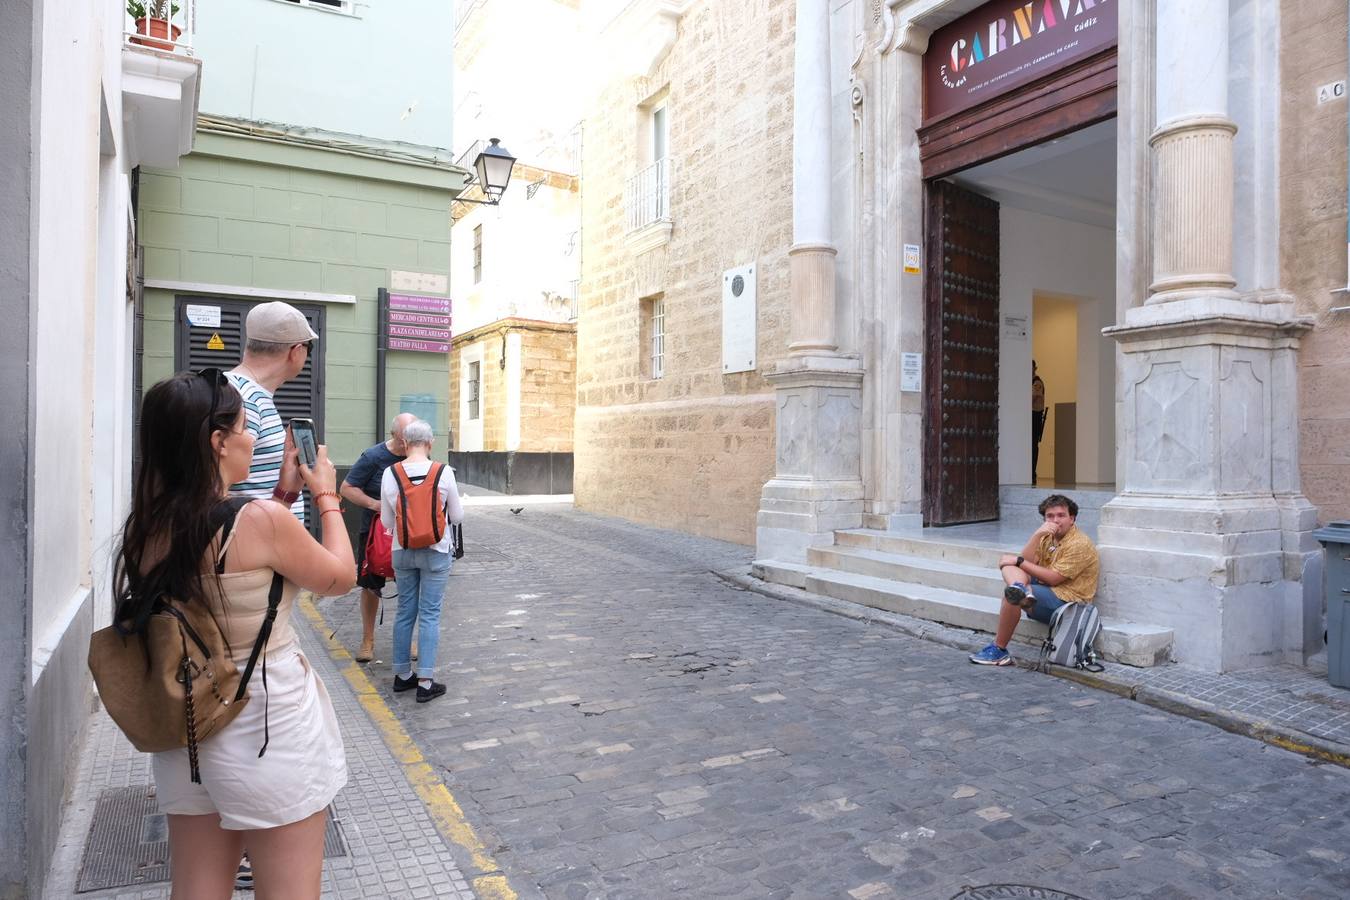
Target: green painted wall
<point>263,214</point>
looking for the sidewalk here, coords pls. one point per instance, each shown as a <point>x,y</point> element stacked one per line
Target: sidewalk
<point>385,836</point>
<point>1288,706</point>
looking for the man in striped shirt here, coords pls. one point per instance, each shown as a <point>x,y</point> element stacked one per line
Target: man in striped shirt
<point>278,341</point>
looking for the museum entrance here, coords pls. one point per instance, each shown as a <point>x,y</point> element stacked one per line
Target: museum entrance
<point>1020,260</point>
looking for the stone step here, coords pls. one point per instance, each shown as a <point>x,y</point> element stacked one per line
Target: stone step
<point>899,566</point>
<point>924,546</point>
<point>1125,642</point>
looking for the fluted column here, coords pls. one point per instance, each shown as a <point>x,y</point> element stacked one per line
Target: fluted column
<point>811,258</point>
<point>1193,155</point>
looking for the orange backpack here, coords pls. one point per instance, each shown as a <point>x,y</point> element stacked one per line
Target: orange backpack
<point>419,514</point>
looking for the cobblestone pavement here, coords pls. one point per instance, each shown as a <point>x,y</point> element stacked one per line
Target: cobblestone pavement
<point>620,723</point>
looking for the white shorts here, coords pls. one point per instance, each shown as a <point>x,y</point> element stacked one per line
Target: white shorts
<point>304,767</point>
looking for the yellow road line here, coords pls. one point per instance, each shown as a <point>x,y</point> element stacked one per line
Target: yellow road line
<point>440,804</point>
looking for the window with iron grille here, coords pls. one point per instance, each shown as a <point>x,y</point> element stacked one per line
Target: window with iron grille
<point>477,253</point>
<point>471,389</point>
<point>655,322</point>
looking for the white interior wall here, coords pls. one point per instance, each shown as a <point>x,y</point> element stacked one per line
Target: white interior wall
<point>1057,256</point>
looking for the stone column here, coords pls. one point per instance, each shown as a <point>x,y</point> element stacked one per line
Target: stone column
<point>1193,154</point>
<point>812,255</point>
<point>1209,533</point>
<point>817,483</point>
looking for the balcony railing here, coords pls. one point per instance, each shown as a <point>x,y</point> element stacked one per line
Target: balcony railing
<point>170,33</point>
<point>646,198</point>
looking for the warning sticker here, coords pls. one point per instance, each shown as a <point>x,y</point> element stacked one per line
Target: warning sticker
<point>215,343</point>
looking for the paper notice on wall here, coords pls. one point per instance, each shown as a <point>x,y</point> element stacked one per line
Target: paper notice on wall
<point>912,259</point>
<point>1015,328</point>
<point>911,372</point>
<point>203,316</point>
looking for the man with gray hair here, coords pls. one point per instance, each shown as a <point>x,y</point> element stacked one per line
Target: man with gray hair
<point>278,341</point>
<point>361,487</point>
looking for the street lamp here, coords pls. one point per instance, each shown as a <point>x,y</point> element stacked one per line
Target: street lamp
<point>493,166</point>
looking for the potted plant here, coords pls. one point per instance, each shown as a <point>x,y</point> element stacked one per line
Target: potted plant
<point>153,28</point>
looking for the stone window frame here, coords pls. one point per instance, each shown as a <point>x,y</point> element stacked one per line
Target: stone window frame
<point>652,335</point>
<point>473,389</point>
<point>478,253</point>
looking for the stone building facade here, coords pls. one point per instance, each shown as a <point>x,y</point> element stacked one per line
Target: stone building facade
<point>1164,191</point>
<point>686,175</point>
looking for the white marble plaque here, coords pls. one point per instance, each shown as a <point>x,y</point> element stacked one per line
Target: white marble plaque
<point>738,320</point>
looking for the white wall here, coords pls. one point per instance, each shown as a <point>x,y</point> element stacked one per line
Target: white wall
<point>531,251</point>
<point>272,61</point>
<point>1040,253</point>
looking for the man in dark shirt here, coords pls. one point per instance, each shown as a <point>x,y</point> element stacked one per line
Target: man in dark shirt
<point>362,487</point>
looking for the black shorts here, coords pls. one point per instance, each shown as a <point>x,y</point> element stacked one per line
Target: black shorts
<point>374,583</point>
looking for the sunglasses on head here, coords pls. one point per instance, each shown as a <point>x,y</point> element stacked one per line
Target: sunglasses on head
<point>308,345</point>
<point>216,378</point>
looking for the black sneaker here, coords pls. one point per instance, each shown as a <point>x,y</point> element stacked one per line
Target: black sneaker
<point>404,684</point>
<point>1015,594</point>
<point>425,695</point>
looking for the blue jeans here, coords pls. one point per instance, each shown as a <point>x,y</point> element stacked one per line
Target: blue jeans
<point>1046,603</point>
<point>421,576</point>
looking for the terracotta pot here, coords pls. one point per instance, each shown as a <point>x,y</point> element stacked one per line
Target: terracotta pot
<point>147,30</point>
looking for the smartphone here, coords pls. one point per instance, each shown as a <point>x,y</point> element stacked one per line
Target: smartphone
<point>302,433</point>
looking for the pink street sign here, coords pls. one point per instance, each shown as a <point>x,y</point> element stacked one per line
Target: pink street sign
<point>419,346</point>
<point>415,331</point>
<point>413,318</point>
<point>420,303</point>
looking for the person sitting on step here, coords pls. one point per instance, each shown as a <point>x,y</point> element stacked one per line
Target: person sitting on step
<point>1058,565</point>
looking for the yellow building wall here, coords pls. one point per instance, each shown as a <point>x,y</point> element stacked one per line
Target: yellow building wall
<point>1313,240</point>
<point>693,449</point>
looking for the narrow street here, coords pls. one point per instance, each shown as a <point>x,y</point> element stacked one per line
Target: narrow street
<point>622,723</point>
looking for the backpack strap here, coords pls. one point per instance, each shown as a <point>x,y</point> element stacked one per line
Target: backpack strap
<point>437,508</point>
<point>401,522</point>
<point>227,512</point>
<point>273,601</point>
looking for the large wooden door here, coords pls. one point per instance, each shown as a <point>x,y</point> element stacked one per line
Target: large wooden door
<point>961,357</point>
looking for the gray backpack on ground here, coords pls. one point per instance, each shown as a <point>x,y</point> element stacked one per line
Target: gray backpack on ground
<point>1073,630</point>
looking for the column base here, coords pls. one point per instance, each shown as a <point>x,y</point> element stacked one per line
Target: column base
<point>817,486</point>
<point>1215,570</point>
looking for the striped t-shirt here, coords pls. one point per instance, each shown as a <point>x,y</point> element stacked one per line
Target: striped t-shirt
<point>269,443</point>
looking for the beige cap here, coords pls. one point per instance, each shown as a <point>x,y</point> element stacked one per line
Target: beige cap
<point>278,323</point>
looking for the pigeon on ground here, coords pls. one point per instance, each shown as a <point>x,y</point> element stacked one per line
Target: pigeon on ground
<point>516,511</point>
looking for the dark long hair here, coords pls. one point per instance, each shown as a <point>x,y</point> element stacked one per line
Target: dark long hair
<point>178,490</point>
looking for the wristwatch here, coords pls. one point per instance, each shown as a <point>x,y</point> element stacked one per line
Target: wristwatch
<point>1020,560</point>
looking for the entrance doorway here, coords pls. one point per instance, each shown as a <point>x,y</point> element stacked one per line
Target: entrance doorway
<point>1021,267</point>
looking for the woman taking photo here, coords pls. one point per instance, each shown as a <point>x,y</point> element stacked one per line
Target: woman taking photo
<point>185,539</point>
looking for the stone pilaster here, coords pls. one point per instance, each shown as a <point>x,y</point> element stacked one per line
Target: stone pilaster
<point>1209,533</point>
<point>817,483</point>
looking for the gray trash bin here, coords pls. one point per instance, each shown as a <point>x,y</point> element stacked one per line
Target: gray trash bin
<point>1336,538</point>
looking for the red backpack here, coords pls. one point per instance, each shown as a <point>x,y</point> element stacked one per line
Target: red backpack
<point>379,557</point>
<point>419,513</point>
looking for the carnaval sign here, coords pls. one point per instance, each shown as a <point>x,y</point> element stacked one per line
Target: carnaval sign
<point>1008,43</point>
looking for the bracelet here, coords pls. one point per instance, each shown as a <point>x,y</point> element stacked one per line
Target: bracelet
<point>332,494</point>
<point>336,509</point>
<point>287,497</point>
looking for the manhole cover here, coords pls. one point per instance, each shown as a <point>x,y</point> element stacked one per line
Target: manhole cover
<point>128,841</point>
<point>1012,891</point>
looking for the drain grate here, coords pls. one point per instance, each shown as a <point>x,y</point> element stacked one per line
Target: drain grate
<point>128,842</point>
<point>1013,892</point>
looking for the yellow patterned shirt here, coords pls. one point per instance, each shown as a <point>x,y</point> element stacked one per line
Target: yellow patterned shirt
<point>1074,557</point>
